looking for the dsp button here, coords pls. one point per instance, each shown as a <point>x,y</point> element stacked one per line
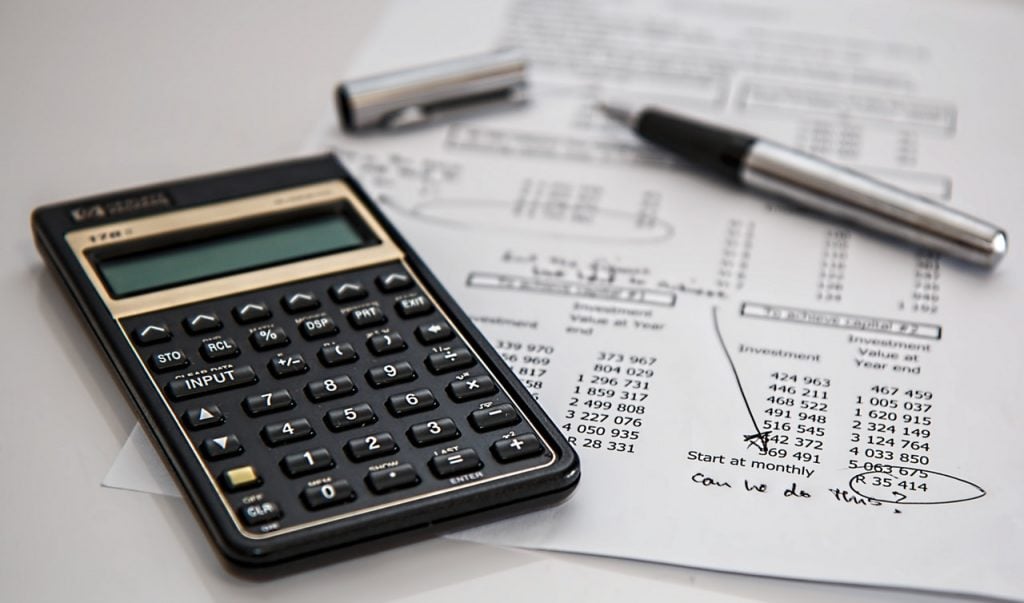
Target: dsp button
<point>328,495</point>
<point>393,478</point>
<point>516,448</point>
<point>417,305</point>
<point>200,385</point>
<point>259,513</point>
<point>153,333</point>
<point>219,349</point>
<point>456,463</point>
<point>202,323</point>
<point>496,417</point>
<point>471,388</point>
<point>450,360</point>
<point>315,328</point>
<point>168,361</point>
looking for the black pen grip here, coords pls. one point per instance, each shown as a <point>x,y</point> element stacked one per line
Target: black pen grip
<point>710,147</point>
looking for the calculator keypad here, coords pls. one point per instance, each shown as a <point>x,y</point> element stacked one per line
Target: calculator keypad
<point>332,396</point>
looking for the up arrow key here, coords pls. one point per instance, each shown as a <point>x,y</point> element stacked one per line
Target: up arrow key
<point>202,323</point>
<point>154,333</point>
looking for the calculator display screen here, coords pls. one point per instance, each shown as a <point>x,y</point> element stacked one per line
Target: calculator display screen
<point>196,260</point>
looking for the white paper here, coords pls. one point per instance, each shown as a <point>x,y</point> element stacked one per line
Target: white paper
<point>709,350</point>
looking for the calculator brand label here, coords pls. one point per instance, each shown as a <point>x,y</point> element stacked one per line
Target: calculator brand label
<point>119,208</point>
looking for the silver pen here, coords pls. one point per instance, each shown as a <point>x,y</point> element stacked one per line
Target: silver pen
<point>818,185</point>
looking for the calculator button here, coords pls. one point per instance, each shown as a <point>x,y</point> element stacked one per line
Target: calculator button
<point>394,478</point>
<point>168,361</point>
<point>434,332</point>
<point>327,495</point>
<point>390,374</point>
<point>456,463</point>
<point>269,338</point>
<point>346,292</point>
<point>371,446</point>
<point>411,402</point>
<point>409,307</point>
<point>350,417</point>
<point>366,317</point>
<point>222,447</point>
<point>277,434</point>
<point>258,513</point>
<point>432,432</point>
<point>201,418</point>
<point>328,389</point>
<point>215,381</point>
<point>304,463</point>
<point>287,365</point>
<point>300,302</point>
<point>149,334</point>
<point>450,360</point>
<point>516,448</point>
<point>496,417</point>
<point>262,404</point>
<point>396,281</point>
<point>251,312</point>
<point>335,354</point>
<point>219,349</point>
<point>471,388</point>
<point>386,343</point>
<point>240,478</point>
<point>202,323</point>
<point>316,328</point>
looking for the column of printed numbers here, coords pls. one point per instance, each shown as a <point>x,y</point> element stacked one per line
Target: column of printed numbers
<point>609,403</point>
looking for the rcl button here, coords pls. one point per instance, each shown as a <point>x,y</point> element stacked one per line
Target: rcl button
<point>259,513</point>
<point>219,349</point>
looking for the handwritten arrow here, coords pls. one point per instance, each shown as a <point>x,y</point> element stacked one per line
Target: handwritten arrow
<point>759,436</point>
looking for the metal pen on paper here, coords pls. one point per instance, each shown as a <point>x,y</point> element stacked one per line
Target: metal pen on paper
<point>818,185</point>
<point>432,92</point>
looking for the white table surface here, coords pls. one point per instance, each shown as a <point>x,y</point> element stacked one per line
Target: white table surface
<point>97,96</point>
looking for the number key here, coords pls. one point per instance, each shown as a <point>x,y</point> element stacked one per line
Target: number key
<point>277,434</point>
<point>304,463</point>
<point>410,402</point>
<point>371,446</point>
<point>327,495</point>
<point>350,417</point>
<point>261,404</point>
<point>432,432</point>
<point>390,374</point>
<point>330,388</point>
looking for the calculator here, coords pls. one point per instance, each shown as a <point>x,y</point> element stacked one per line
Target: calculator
<point>307,379</point>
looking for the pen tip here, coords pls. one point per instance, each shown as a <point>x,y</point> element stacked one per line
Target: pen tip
<point>616,112</point>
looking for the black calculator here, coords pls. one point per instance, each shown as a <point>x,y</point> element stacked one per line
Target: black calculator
<point>308,380</point>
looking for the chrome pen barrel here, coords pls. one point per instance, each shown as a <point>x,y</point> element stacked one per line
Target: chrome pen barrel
<point>836,191</point>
